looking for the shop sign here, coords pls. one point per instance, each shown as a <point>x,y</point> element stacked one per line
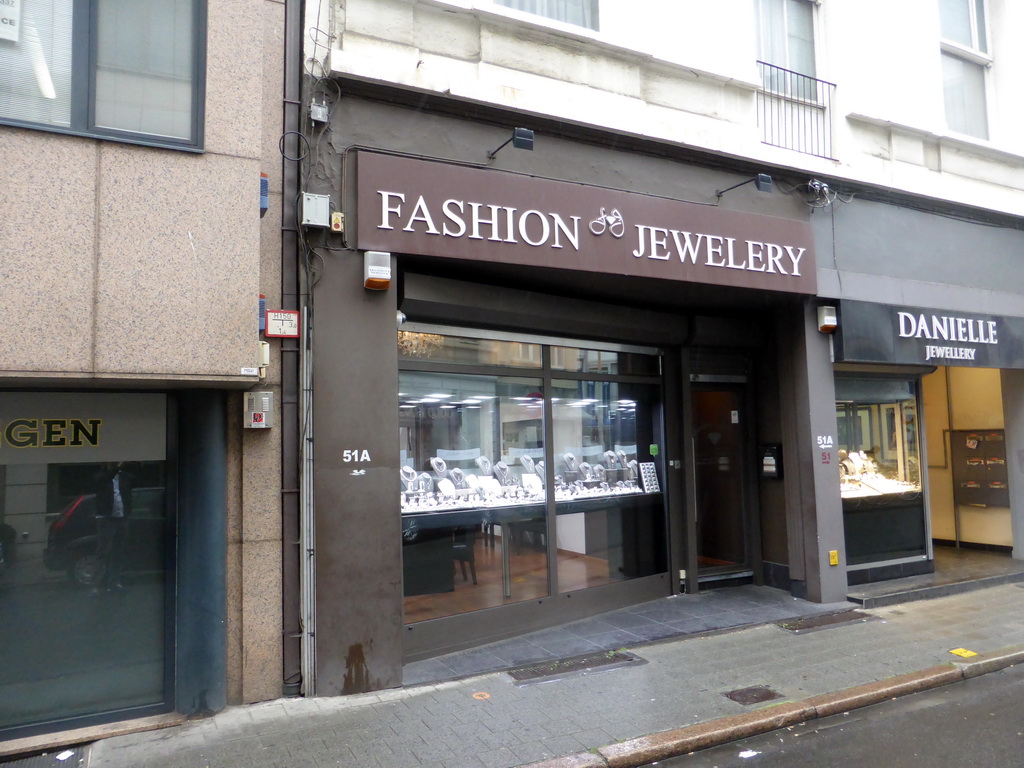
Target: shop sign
<point>882,333</point>
<point>10,20</point>
<point>439,209</point>
<point>75,427</point>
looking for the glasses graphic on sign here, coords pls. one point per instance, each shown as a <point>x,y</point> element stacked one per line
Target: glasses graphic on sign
<point>609,222</point>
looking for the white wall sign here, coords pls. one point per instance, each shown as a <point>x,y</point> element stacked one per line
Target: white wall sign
<point>281,323</point>
<point>10,19</point>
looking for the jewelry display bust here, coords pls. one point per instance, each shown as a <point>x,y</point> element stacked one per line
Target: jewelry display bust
<point>485,465</point>
<point>408,477</point>
<point>570,462</point>
<point>527,463</point>
<point>609,456</point>
<point>439,465</point>
<point>458,477</point>
<point>502,474</point>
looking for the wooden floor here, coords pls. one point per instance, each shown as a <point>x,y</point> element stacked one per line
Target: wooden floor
<point>528,566</point>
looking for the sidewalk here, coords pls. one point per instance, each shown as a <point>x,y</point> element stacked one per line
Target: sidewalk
<point>675,689</point>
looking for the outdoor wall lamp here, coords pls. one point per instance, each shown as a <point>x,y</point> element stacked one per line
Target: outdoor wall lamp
<point>762,181</point>
<point>828,320</point>
<point>522,138</point>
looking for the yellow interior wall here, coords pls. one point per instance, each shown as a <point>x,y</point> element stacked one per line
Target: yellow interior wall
<point>940,477</point>
<point>976,400</point>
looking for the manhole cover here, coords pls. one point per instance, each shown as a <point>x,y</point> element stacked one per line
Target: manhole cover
<point>753,695</point>
<point>822,622</point>
<point>574,666</point>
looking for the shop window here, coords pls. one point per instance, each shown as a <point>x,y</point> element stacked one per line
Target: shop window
<point>120,69</point>
<point>483,471</point>
<point>472,463</point>
<point>581,13</point>
<point>965,59</point>
<point>466,350</point>
<point>610,521</point>
<point>85,538</point>
<point>879,468</point>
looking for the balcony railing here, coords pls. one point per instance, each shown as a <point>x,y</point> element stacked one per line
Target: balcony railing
<point>794,111</point>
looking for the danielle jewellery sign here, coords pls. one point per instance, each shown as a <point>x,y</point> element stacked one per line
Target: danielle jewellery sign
<point>437,209</point>
<point>882,333</point>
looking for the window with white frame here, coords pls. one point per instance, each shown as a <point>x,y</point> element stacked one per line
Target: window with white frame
<point>121,69</point>
<point>581,13</point>
<point>965,59</point>
<point>786,34</point>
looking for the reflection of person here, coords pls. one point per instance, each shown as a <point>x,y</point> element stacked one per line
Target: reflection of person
<point>113,508</point>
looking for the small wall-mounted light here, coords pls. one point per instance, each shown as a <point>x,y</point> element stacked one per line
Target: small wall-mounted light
<point>828,320</point>
<point>377,270</point>
<point>762,181</point>
<point>522,138</point>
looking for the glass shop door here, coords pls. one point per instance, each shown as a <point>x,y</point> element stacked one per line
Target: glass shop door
<point>721,474</point>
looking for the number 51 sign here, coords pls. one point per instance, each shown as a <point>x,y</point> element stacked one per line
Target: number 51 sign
<point>825,443</point>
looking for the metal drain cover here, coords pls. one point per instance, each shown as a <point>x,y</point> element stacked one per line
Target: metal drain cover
<point>753,695</point>
<point>577,665</point>
<point>827,620</point>
<point>73,757</point>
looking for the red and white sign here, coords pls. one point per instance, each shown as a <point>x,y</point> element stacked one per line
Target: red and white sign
<point>282,324</point>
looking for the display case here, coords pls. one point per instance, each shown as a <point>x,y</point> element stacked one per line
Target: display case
<point>979,467</point>
<point>879,468</point>
<point>481,471</point>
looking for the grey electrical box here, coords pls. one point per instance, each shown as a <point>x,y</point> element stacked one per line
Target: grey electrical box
<point>318,112</point>
<point>258,410</point>
<point>316,210</point>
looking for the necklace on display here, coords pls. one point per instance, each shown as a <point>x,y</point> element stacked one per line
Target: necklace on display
<point>501,472</point>
<point>457,477</point>
<point>570,462</point>
<point>408,476</point>
<point>585,470</point>
<point>439,465</point>
<point>610,458</point>
<point>527,463</point>
<point>485,464</point>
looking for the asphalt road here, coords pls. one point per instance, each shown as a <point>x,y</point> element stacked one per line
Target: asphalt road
<point>977,722</point>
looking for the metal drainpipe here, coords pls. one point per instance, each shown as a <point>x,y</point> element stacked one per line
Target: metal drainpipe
<point>291,354</point>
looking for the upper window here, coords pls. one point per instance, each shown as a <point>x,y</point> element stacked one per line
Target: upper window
<point>582,13</point>
<point>786,34</point>
<point>121,69</point>
<point>965,57</point>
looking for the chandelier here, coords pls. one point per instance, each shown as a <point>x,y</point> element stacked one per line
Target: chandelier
<point>413,344</point>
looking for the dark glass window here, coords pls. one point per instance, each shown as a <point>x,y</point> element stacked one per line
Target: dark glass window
<point>120,69</point>
<point>85,540</point>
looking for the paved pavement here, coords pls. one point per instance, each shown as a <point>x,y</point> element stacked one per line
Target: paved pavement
<point>670,701</point>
